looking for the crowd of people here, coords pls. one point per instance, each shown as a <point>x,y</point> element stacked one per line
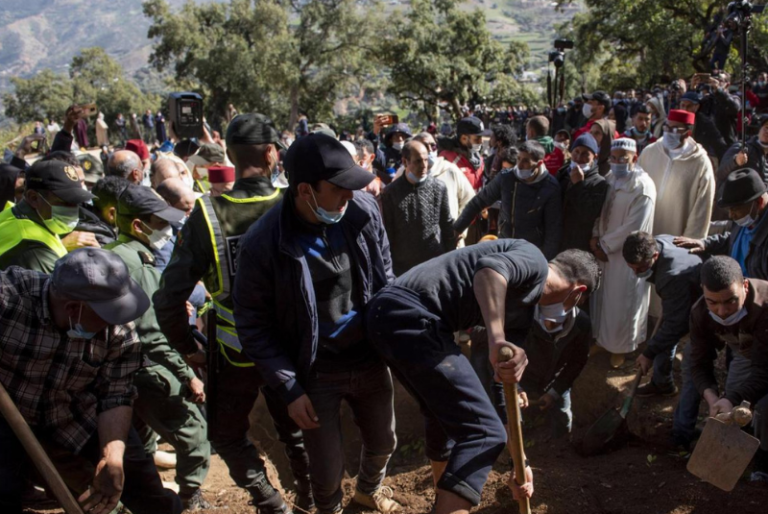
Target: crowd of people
<point>327,265</point>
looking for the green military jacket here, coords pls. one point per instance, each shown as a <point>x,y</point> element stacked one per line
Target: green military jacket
<point>141,266</point>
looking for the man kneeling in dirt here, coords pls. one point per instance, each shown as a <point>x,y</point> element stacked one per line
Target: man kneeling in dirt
<point>68,353</point>
<point>733,311</point>
<point>412,323</point>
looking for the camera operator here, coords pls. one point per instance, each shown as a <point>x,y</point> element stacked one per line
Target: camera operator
<point>755,156</point>
<point>723,39</point>
<point>718,104</point>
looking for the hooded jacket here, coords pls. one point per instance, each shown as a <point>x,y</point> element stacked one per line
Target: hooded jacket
<point>528,211</point>
<point>685,189</point>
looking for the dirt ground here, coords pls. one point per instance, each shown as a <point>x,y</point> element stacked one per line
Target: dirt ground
<point>642,475</point>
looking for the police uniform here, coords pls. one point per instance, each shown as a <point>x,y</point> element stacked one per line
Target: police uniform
<point>206,249</point>
<point>162,403</point>
<point>28,241</point>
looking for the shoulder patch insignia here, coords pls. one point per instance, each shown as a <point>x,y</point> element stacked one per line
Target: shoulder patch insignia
<point>147,258</point>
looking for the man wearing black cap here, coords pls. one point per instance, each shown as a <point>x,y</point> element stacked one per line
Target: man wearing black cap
<point>206,249</point>
<point>745,195</point>
<point>754,156</point>
<point>595,108</point>
<point>69,355</point>
<point>389,154</point>
<point>314,261</point>
<point>30,232</point>
<point>705,131</point>
<point>465,150</point>
<point>165,381</point>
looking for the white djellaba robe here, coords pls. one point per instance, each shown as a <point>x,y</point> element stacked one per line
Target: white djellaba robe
<point>619,309</point>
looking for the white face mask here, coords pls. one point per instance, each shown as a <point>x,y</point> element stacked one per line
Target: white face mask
<point>730,320</point>
<point>432,158</point>
<point>158,238</point>
<point>541,320</point>
<point>398,146</point>
<point>747,220</point>
<point>586,110</point>
<point>672,141</point>
<point>476,148</point>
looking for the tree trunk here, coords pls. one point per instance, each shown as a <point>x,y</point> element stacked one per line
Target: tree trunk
<point>294,116</point>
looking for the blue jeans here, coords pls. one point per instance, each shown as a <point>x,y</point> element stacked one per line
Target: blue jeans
<point>662,368</point>
<point>143,492</point>
<point>461,424</point>
<point>687,410</point>
<point>370,394</point>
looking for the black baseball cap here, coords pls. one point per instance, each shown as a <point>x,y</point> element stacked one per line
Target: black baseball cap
<point>60,178</point>
<point>321,157</point>
<point>741,187</point>
<point>252,129</point>
<point>470,125</point>
<point>142,200</point>
<point>599,96</point>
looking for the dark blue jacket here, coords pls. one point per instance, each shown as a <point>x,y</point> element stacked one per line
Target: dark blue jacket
<point>528,211</point>
<point>275,309</point>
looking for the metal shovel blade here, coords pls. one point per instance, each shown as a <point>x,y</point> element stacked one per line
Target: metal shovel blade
<point>601,432</point>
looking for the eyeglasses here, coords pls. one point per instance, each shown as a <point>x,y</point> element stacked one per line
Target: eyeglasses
<point>431,146</point>
<point>675,130</point>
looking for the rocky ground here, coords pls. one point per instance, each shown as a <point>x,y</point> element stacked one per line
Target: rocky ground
<point>640,475</point>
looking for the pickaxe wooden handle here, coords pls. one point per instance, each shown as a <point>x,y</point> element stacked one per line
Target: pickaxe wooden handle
<point>516,448</point>
<point>740,415</point>
<point>36,453</point>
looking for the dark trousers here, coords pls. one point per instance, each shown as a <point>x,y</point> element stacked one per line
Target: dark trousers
<point>461,424</point>
<point>237,391</point>
<point>370,395</point>
<point>143,492</point>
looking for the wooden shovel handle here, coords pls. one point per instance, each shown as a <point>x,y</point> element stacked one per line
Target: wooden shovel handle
<point>36,453</point>
<point>516,447</point>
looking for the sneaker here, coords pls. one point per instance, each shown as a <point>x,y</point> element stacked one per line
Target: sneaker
<point>617,360</point>
<point>651,389</point>
<point>195,501</point>
<point>381,500</point>
<point>758,476</point>
<point>165,460</point>
<point>304,502</point>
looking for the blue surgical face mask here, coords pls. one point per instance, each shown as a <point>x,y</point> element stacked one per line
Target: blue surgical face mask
<point>556,312</point>
<point>672,141</point>
<point>541,320</point>
<point>620,170</point>
<point>415,179</point>
<point>329,218</point>
<point>730,320</point>
<point>523,174</point>
<point>77,332</point>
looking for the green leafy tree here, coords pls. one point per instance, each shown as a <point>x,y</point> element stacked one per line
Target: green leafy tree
<point>99,79</point>
<point>273,56</point>
<point>46,95</point>
<point>621,43</point>
<point>436,52</point>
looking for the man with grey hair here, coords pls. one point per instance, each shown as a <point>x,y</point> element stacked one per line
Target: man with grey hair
<point>126,164</point>
<point>530,201</point>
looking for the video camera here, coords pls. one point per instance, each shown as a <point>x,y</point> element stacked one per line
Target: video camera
<point>186,112</point>
<point>557,56</point>
<point>739,11</point>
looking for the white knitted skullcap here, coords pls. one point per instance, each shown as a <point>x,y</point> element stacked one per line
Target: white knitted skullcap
<point>624,143</point>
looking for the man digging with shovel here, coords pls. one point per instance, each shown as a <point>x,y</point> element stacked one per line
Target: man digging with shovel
<point>412,321</point>
<point>68,353</point>
<point>733,312</point>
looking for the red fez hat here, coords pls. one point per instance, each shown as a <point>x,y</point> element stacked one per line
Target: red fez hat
<point>138,147</point>
<point>221,174</point>
<point>679,116</point>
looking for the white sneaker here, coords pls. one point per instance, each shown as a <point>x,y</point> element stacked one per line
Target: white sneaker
<point>165,460</point>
